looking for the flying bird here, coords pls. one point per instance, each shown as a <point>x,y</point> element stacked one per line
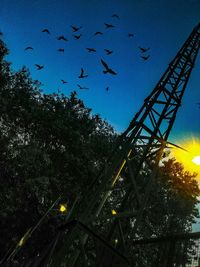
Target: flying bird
<point>62,37</point>
<point>98,33</point>
<point>63,81</point>
<point>61,50</point>
<point>46,30</point>
<point>130,35</point>
<point>39,67</point>
<point>109,25</point>
<point>77,36</point>
<point>108,51</point>
<point>82,74</point>
<point>81,87</point>
<point>115,16</point>
<point>143,50</point>
<point>145,58</point>
<point>107,89</point>
<point>28,48</point>
<point>75,29</point>
<point>91,50</point>
<point>107,69</point>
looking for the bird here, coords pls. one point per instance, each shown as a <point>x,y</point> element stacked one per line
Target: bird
<point>63,81</point>
<point>108,51</point>
<point>109,25</point>
<point>75,29</point>
<point>115,16</point>
<point>145,58</point>
<point>91,50</point>
<point>61,50</point>
<point>39,67</point>
<point>77,36</point>
<point>107,89</point>
<point>82,74</point>
<point>62,37</point>
<point>130,34</point>
<point>107,69</point>
<point>28,48</point>
<point>46,30</point>
<point>98,33</point>
<point>81,87</point>
<point>143,50</point>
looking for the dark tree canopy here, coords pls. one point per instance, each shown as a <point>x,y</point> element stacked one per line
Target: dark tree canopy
<point>52,145</point>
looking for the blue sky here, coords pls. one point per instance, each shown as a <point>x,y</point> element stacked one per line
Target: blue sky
<point>162,25</point>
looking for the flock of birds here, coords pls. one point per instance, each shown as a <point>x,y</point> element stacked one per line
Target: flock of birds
<point>77,35</point>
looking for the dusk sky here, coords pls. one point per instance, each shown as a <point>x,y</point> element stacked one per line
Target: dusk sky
<point>161,25</point>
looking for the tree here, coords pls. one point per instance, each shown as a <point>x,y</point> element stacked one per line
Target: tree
<point>50,146</point>
<point>172,208</point>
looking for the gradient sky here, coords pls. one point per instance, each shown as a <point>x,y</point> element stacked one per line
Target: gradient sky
<point>162,25</point>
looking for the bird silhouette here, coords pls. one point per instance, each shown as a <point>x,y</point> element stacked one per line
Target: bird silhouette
<point>130,34</point>
<point>62,37</point>
<point>28,48</point>
<point>77,36</point>
<point>63,81</point>
<point>39,67</point>
<point>46,30</point>
<point>109,25</point>
<point>145,58</point>
<point>98,33</point>
<point>75,29</point>
<point>107,89</point>
<point>91,50</point>
<point>143,50</point>
<point>82,74</point>
<point>107,69</point>
<point>115,16</point>
<point>61,50</point>
<point>108,51</point>
<point>81,87</point>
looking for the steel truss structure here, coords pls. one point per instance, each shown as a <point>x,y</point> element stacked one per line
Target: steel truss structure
<point>102,222</point>
<point>140,147</point>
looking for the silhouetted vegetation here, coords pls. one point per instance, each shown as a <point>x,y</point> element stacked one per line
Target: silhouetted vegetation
<point>51,145</point>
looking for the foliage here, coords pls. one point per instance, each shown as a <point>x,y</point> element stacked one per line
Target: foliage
<point>50,146</point>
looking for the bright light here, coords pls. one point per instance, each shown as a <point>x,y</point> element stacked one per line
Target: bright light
<point>196,160</point>
<point>21,242</point>
<point>114,212</point>
<point>189,158</point>
<point>63,208</point>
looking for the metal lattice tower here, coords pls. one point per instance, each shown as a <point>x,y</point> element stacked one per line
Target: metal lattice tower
<point>127,179</point>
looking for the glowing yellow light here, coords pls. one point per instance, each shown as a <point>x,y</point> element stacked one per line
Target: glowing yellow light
<point>21,242</point>
<point>24,238</point>
<point>189,158</point>
<point>63,208</point>
<point>114,212</point>
<point>196,160</point>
